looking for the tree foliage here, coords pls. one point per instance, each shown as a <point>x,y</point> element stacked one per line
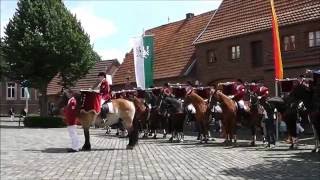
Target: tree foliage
<point>44,39</point>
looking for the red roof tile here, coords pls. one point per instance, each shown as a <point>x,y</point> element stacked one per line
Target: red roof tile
<point>88,80</point>
<point>173,49</point>
<point>238,17</point>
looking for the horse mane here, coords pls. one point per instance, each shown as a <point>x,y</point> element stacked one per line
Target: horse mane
<point>196,97</point>
<point>225,99</point>
<point>138,104</point>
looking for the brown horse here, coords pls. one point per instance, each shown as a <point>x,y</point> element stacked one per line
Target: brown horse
<point>142,114</point>
<point>202,112</point>
<point>122,109</point>
<point>229,115</point>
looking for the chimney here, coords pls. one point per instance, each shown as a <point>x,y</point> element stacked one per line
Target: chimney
<point>189,15</point>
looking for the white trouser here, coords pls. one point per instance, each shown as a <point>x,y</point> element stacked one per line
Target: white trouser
<point>75,142</point>
<point>102,102</point>
<point>242,105</point>
<point>299,128</point>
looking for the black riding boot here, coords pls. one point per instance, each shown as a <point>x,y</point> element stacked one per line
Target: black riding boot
<point>104,111</point>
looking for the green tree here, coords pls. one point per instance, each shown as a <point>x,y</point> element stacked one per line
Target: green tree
<point>3,65</point>
<point>44,39</point>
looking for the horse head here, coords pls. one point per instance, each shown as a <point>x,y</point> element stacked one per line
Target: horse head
<point>63,99</point>
<point>303,94</point>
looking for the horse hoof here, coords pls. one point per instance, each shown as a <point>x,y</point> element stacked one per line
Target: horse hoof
<point>314,150</point>
<point>86,148</point>
<point>253,144</point>
<point>164,136</point>
<point>293,147</point>
<point>154,137</point>
<point>171,140</point>
<point>129,147</point>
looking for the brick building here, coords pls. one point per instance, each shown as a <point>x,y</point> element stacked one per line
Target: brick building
<point>13,95</point>
<point>237,43</point>
<point>174,54</point>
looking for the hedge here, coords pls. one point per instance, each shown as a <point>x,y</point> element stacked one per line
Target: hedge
<point>44,122</point>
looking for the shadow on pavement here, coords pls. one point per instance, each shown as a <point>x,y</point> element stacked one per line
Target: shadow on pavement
<point>49,150</point>
<point>11,127</point>
<point>300,165</point>
<point>65,150</point>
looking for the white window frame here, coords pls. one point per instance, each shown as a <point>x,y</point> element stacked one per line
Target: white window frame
<point>211,59</point>
<point>23,97</point>
<point>289,43</point>
<point>14,89</point>
<point>314,39</point>
<point>235,52</point>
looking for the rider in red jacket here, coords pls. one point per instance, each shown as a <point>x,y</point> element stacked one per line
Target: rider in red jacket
<point>105,92</point>
<point>239,93</point>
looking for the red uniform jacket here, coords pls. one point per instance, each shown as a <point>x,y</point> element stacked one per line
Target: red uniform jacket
<point>263,91</point>
<point>70,112</point>
<point>239,92</point>
<point>105,90</point>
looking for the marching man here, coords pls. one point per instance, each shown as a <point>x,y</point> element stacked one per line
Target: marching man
<point>70,113</point>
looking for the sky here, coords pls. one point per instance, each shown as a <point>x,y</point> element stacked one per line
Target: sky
<point>112,24</point>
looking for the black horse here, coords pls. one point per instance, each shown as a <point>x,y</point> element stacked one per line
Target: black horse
<point>309,96</point>
<point>289,109</point>
<point>157,121</point>
<point>173,110</point>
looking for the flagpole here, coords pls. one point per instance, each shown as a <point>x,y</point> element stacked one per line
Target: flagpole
<point>278,67</point>
<point>277,115</point>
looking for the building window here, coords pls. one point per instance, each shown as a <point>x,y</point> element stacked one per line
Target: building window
<point>235,52</point>
<point>211,56</point>
<point>314,38</point>
<point>11,91</point>
<point>289,43</point>
<point>24,93</point>
<point>257,53</point>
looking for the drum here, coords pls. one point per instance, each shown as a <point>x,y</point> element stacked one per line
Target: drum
<point>287,85</point>
<point>156,91</point>
<point>253,87</point>
<point>141,93</point>
<point>227,88</point>
<point>203,92</point>
<point>179,92</point>
<point>117,95</point>
<point>130,93</point>
<point>91,101</point>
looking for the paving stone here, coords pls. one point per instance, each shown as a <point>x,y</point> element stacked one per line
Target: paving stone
<point>41,154</point>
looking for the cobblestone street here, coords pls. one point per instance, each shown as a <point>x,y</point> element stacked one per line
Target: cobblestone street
<point>28,153</point>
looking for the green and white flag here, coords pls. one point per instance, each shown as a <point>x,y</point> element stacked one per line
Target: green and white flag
<point>143,61</point>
